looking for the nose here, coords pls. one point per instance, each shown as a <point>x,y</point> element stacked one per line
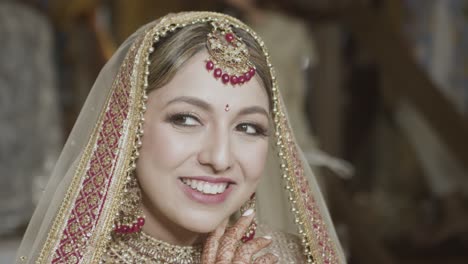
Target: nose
<point>216,152</point>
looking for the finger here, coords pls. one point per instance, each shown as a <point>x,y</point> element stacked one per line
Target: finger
<point>266,259</point>
<point>212,243</point>
<point>232,236</point>
<point>245,252</point>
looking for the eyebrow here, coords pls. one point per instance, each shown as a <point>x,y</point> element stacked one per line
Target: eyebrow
<point>190,100</point>
<point>205,106</point>
<point>254,110</point>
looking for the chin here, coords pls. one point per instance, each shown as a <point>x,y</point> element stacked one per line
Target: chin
<point>201,222</point>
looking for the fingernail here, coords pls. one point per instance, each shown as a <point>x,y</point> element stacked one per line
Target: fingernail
<point>267,237</point>
<point>248,212</point>
<point>277,257</point>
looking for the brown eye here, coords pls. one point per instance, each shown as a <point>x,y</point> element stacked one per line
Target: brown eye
<point>184,120</point>
<point>251,129</point>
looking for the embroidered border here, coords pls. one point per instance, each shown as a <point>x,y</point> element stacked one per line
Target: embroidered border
<point>81,210</point>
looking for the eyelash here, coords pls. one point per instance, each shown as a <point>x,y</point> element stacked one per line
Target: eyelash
<point>259,130</point>
<point>178,120</point>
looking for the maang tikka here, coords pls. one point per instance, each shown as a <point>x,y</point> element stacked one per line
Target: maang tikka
<point>229,57</point>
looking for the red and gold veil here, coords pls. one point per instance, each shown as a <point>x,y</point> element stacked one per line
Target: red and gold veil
<point>73,221</point>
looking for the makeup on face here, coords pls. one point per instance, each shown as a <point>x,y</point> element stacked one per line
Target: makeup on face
<point>200,152</point>
<point>207,190</point>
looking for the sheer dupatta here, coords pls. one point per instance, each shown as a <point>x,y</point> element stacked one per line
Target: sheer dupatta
<point>74,219</point>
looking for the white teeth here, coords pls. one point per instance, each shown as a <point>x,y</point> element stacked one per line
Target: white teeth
<point>208,188</point>
<point>205,187</point>
<point>199,186</point>
<point>214,189</point>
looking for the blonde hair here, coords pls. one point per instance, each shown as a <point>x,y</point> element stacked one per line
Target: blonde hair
<point>174,50</point>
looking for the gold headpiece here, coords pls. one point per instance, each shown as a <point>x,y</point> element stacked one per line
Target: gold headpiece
<point>228,55</point>
<point>83,214</point>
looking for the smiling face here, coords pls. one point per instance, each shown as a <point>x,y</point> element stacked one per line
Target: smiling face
<point>200,160</point>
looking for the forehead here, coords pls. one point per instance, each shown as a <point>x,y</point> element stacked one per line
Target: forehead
<point>192,79</point>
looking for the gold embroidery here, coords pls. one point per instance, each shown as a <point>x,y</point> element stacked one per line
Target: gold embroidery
<point>86,220</point>
<point>141,248</point>
<point>81,207</point>
<point>47,252</point>
<point>99,179</point>
<point>136,82</point>
<point>74,227</point>
<point>88,187</point>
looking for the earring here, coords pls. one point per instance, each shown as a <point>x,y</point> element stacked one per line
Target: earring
<point>250,234</point>
<point>130,219</point>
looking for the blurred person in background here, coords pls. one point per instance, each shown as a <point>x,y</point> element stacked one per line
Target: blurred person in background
<point>438,32</point>
<point>30,122</point>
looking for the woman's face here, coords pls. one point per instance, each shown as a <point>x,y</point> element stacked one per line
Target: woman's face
<point>204,148</point>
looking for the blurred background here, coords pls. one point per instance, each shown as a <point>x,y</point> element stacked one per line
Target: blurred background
<point>377,91</point>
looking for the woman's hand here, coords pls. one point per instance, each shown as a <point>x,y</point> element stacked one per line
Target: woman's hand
<point>224,246</point>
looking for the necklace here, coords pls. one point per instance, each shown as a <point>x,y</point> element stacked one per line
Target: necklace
<point>142,248</point>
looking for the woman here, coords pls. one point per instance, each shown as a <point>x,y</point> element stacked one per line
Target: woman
<point>172,143</point>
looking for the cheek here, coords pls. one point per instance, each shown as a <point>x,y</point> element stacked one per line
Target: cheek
<point>252,159</point>
<point>160,155</point>
<point>162,147</point>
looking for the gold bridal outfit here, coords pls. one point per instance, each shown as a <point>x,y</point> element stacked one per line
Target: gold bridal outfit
<point>74,220</point>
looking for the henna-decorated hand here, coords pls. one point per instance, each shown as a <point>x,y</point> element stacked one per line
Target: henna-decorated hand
<point>224,246</point>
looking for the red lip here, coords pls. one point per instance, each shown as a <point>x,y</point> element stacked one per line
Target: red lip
<point>208,199</point>
<point>210,179</point>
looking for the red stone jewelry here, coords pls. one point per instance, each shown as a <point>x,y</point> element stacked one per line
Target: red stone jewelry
<point>250,234</point>
<point>228,56</point>
<point>130,218</point>
<point>130,228</point>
